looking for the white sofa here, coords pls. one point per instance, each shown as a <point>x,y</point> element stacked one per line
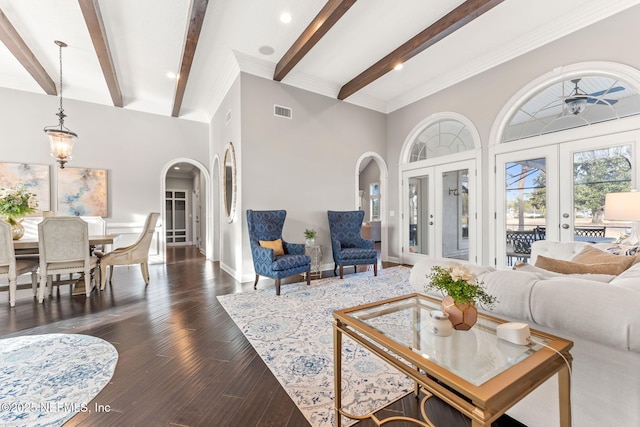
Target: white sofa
<point>601,317</point>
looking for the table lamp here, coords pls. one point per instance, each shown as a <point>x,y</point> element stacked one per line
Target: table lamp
<point>624,207</point>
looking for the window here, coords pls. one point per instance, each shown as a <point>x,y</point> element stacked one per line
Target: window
<point>572,103</point>
<point>441,138</point>
<point>374,202</point>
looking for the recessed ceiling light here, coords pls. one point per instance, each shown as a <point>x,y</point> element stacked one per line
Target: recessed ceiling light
<point>266,50</point>
<point>285,17</point>
<point>398,67</point>
<point>171,75</point>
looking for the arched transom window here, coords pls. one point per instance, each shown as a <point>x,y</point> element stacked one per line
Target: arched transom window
<point>441,138</point>
<point>572,103</point>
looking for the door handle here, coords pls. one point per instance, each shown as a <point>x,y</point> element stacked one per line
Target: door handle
<point>565,226</point>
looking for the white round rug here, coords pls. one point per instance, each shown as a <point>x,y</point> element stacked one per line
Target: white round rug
<point>47,379</point>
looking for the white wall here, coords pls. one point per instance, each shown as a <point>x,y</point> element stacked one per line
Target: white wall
<point>229,238</point>
<point>481,98</point>
<point>304,165</point>
<point>132,146</point>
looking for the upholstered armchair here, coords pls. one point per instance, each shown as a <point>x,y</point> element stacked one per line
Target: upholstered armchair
<point>272,256</point>
<point>347,243</point>
<point>138,253</point>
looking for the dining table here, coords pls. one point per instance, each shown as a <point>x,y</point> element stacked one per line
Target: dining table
<point>29,246</point>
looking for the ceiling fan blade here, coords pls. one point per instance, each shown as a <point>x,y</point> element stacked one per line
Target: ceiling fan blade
<point>602,92</point>
<point>601,101</point>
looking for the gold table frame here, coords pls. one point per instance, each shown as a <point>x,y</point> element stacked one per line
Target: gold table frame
<point>482,403</point>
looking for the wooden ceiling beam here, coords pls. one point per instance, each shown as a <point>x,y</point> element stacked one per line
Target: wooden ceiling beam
<point>454,20</point>
<point>198,9</point>
<point>95,25</point>
<point>321,24</point>
<point>23,54</point>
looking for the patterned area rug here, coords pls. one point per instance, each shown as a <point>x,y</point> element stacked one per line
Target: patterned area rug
<point>47,379</point>
<point>293,334</point>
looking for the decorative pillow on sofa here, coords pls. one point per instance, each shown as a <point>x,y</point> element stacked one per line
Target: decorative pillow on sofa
<point>569,267</point>
<point>545,274</point>
<point>591,255</point>
<point>276,245</point>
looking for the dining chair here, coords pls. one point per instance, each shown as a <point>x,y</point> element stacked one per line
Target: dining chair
<point>63,245</point>
<point>11,268</point>
<point>138,253</point>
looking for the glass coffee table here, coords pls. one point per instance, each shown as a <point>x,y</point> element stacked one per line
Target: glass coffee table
<point>473,371</point>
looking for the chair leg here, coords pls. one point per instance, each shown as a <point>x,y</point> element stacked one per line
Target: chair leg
<point>103,275</point>
<point>144,267</point>
<point>308,277</point>
<point>277,286</point>
<point>341,271</point>
<point>375,269</point>
<point>13,284</point>
<point>87,283</point>
<point>43,285</point>
<point>34,283</point>
<point>255,284</point>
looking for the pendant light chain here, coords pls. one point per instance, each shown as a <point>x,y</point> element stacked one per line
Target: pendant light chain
<point>60,59</point>
<point>61,114</point>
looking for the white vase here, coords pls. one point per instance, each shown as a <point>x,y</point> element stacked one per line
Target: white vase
<point>311,242</point>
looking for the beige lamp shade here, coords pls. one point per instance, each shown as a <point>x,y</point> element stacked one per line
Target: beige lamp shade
<point>622,206</point>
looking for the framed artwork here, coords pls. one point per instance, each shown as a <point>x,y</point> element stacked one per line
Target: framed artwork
<point>82,192</point>
<point>34,177</point>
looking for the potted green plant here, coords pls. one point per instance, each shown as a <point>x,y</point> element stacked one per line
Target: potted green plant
<point>15,203</point>
<point>310,235</point>
<point>462,293</point>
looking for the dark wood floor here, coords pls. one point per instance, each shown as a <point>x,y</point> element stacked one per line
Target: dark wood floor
<point>182,360</point>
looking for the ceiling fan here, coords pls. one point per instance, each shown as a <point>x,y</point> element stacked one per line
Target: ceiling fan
<point>577,101</point>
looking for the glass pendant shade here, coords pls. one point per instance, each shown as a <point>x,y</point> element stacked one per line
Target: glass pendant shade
<point>576,105</point>
<point>61,142</point>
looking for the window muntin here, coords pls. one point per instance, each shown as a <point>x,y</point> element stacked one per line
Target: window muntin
<point>555,108</point>
<point>441,138</point>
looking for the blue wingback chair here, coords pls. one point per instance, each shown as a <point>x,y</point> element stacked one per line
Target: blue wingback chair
<point>347,243</point>
<point>267,226</point>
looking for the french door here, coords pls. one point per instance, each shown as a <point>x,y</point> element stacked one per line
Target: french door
<point>176,215</point>
<point>439,218</point>
<point>557,193</point>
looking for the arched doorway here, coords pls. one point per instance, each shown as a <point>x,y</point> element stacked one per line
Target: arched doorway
<point>439,194</point>
<point>371,196</point>
<point>186,218</point>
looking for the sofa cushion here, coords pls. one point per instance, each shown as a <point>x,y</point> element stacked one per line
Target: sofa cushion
<point>569,267</point>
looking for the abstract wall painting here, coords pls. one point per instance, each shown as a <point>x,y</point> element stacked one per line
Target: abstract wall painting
<point>34,177</point>
<point>82,192</point>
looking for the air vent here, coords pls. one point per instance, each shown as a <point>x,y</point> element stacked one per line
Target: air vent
<point>280,111</point>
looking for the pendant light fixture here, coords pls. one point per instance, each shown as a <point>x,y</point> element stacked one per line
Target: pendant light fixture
<point>61,138</point>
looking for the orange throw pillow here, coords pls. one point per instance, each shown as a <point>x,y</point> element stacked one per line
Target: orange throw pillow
<point>276,245</point>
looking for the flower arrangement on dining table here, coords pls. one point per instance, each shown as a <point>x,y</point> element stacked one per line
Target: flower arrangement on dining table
<point>462,292</point>
<point>16,202</point>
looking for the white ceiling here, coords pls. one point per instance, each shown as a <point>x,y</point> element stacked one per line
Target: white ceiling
<point>146,39</point>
